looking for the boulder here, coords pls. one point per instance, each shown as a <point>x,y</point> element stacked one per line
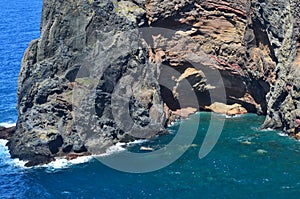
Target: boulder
<point>234,109</point>
<point>184,112</point>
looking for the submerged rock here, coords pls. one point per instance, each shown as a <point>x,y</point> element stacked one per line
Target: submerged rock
<point>261,151</point>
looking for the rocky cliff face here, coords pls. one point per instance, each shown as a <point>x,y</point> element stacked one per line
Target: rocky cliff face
<point>105,71</point>
<point>275,27</point>
<point>88,51</point>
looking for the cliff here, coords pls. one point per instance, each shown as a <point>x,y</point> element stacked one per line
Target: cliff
<point>104,71</point>
<point>277,24</point>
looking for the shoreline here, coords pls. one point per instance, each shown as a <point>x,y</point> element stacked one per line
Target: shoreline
<point>65,162</point>
<point>117,147</point>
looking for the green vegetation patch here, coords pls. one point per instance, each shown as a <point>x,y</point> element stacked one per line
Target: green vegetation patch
<point>129,10</point>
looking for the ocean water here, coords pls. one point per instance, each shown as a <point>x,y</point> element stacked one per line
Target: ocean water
<point>245,163</point>
<point>19,24</point>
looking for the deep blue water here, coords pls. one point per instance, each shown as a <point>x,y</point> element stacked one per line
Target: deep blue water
<point>245,163</point>
<point>19,24</point>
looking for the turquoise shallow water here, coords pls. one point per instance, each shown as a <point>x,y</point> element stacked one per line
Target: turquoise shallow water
<point>234,168</point>
<point>245,163</point>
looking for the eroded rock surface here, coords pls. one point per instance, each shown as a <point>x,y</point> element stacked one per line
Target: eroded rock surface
<point>234,109</point>
<point>279,22</point>
<point>254,45</point>
<point>89,54</point>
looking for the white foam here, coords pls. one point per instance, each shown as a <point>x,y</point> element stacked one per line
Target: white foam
<point>262,130</point>
<point>3,142</point>
<point>172,132</point>
<point>7,124</point>
<point>117,148</point>
<point>171,124</point>
<point>282,134</point>
<point>136,142</point>
<point>19,163</point>
<point>267,129</point>
<point>176,122</point>
<point>5,153</point>
<point>233,116</point>
<point>61,163</point>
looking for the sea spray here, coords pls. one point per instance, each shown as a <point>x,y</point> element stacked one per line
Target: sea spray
<point>7,124</point>
<point>5,156</point>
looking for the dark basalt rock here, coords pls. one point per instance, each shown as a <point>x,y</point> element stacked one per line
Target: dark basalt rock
<point>93,78</point>
<point>7,133</point>
<point>55,143</point>
<point>80,41</point>
<point>36,159</point>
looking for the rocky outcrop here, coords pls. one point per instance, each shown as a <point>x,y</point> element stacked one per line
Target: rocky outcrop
<point>7,133</point>
<point>212,32</point>
<point>253,44</point>
<point>89,56</point>
<point>105,71</point>
<point>234,109</point>
<point>278,24</point>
